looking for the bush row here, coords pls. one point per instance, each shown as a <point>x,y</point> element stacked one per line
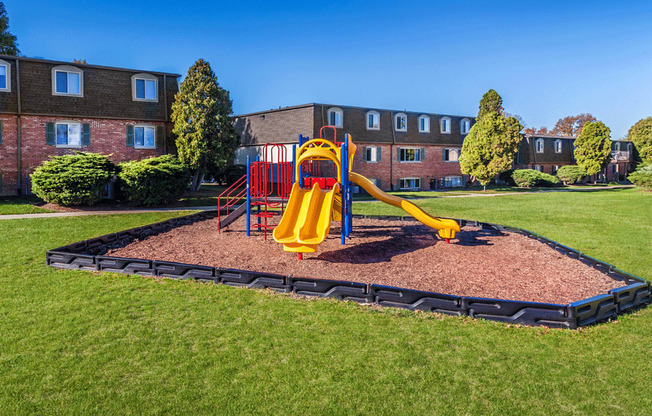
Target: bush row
<point>525,178</point>
<point>642,176</point>
<point>81,178</point>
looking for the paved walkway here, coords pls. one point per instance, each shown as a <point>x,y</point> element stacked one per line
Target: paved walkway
<point>206,208</point>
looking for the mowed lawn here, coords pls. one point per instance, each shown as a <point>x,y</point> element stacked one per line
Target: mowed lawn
<point>85,343</point>
<point>20,205</point>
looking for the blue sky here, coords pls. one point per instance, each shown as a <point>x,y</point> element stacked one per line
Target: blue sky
<point>548,59</point>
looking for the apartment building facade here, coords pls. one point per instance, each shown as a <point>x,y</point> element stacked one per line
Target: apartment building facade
<point>396,149</point>
<point>50,108</point>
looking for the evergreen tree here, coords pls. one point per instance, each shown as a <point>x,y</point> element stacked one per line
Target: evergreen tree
<point>8,44</point>
<point>203,122</point>
<point>593,147</point>
<point>492,143</point>
<point>641,135</point>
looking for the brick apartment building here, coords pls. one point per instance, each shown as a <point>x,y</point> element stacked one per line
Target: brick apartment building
<point>403,149</point>
<point>50,108</point>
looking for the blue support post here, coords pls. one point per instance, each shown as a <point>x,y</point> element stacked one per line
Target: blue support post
<point>300,178</point>
<point>344,155</point>
<point>294,161</point>
<point>248,196</point>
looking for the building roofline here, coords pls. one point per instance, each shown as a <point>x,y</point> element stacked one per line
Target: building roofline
<point>274,110</point>
<point>550,136</point>
<point>111,68</point>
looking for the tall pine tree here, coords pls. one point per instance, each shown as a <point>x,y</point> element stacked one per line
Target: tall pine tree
<point>8,44</point>
<point>203,122</point>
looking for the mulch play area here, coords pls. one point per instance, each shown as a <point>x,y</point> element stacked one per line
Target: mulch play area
<point>482,263</point>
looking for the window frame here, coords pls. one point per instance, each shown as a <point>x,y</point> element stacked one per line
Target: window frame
<point>374,150</point>
<point>144,126</point>
<point>449,149</point>
<point>7,65</point>
<point>409,179</point>
<point>144,77</point>
<point>376,116</point>
<point>396,126</point>
<point>68,70</point>
<point>339,111</point>
<point>426,127</point>
<point>536,146</point>
<point>442,130</point>
<point>538,168</point>
<point>464,122</point>
<point>559,146</point>
<point>449,179</point>
<point>416,149</point>
<point>67,145</point>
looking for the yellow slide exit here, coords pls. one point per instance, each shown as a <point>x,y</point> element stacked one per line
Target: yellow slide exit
<point>307,218</point>
<point>447,228</point>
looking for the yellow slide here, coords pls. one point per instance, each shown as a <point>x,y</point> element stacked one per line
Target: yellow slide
<point>447,228</point>
<point>307,218</point>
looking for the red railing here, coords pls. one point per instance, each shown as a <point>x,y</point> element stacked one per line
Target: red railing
<point>232,195</point>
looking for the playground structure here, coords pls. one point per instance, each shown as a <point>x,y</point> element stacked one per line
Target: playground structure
<point>308,198</point>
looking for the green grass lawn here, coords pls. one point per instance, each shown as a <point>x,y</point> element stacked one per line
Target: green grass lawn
<point>86,343</point>
<point>20,205</point>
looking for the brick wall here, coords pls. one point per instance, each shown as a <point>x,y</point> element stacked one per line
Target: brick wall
<point>107,137</point>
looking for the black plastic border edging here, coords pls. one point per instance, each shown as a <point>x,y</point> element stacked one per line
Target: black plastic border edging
<point>88,255</point>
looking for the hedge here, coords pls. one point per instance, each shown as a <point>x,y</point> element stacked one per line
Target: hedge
<point>153,181</point>
<point>642,176</point>
<point>570,174</point>
<point>74,179</point>
<point>525,178</point>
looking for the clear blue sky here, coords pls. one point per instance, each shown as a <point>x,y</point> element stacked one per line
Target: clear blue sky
<point>547,59</point>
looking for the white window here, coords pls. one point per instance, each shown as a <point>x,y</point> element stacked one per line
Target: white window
<point>5,76</point>
<point>67,80</point>
<point>445,125</point>
<point>538,168</point>
<point>409,183</point>
<point>144,87</point>
<point>409,154</point>
<point>68,134</point>
<point>144,137</point>
<point>424,124</point>
<point>557,146</point>
<point>335,117</point>
<point>465,126</point>
<point>372,154</point>
<point>555,168</point>
<point>630,148</point>
<point>373,120</point>
<point>400,122</point>
<point>451,155</point>
<point>453,181</point>
<point>539,145</point>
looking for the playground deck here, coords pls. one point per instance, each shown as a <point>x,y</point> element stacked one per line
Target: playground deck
<point>407,254</point>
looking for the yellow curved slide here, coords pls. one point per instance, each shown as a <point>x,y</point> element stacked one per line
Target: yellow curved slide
<point>307,218</point>
<point>447,228</point>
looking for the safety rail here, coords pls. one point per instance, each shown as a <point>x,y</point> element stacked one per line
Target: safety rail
<point>231,199</point>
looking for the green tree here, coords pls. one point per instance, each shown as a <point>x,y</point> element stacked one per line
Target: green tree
<point>203,122</point>
<point>593,147</point>
<point>492,143</point>
<point>8,44</point>
<point>491,102</point>
<point>641,135</point>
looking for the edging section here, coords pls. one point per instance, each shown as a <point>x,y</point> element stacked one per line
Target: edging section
<point>88,255</point>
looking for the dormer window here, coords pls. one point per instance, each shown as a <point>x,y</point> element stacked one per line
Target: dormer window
<point>465,126</point>
<point>335,117</point>
<point>424,124</point>
<point>5,76</point>
<point>558,146</point>
<point>144,87</point>
<point>400,120</point>
<point>373,120</point>
<point>539,145</point>
<point>445,125</point>
<point>67,80</point>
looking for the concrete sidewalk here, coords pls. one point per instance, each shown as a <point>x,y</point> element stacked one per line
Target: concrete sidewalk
<point>112,212</point>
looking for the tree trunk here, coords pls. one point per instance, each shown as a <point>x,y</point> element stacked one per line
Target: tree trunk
<point>197,179</point>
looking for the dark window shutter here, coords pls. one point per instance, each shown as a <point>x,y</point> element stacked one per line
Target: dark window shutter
<point>160,136</point>
<point>364,154</point>
<point>130,135</point>
<point>86,134</point>
<point>398,154</point>
<point>49,134</point>
<point>378,181</point>
<point>443,154</point>
<point>378,149</point>
<point>0,131</point>
<point>423,154</point>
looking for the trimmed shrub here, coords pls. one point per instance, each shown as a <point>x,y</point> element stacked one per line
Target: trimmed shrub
<point>505,178</point>
<point>73,179</point>
<point>570,174</point>
<point>526,178</point>
<point>642,176</point>
<point>154,181</point>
